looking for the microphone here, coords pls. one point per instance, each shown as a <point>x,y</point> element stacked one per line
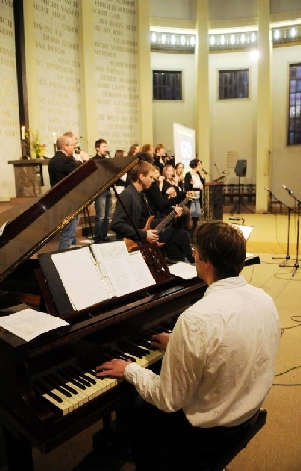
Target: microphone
<point>205,172</point>
<point>219,174</point>
<point>288,190</point>
<point>269,191</point>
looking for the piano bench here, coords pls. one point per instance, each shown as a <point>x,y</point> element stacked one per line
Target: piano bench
<point>219,460</point>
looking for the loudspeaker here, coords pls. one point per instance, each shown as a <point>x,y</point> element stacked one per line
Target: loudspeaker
<point>241,168</point>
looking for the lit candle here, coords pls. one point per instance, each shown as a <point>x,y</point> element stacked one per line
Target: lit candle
<point>54,138</point>
<point>23,133</point>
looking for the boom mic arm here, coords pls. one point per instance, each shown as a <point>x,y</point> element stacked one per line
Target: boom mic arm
<point>276,199</point>
<point>89,145</point>
<point>269,191</point>
<point>219,173</point>
<point>291,193</point>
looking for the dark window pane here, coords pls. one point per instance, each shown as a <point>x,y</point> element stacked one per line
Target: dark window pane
<point>233,84</point>
<point>167,85</point>
<point>294,122</point>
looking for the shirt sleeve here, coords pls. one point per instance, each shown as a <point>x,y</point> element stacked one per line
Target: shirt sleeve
<point>181,371</point>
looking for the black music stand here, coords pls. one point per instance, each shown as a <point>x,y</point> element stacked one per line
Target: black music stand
<point>296,264</point>
<point>240,170</point>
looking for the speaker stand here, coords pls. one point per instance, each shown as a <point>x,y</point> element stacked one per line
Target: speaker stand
<point>239,204</point>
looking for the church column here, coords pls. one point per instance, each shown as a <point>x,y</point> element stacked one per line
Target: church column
<point>264,106</point>
<point>145,73</point>
<point>88,119</point>
<point>202,83</point>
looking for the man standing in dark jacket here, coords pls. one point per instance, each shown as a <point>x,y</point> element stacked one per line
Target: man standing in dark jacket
<point>103,204</point>
<point>136,205</point>
<point>61,165</point>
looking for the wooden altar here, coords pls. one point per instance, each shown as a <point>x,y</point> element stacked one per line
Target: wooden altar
<point>29,176</point>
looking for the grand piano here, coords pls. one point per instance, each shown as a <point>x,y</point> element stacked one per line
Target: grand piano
<point>48,390</point>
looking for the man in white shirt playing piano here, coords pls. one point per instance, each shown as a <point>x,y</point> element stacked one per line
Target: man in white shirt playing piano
<point>218,365</point>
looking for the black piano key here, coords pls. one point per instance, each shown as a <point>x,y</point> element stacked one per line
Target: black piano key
<point>60,382</point>
<point>82,375</point>
<point>143,341</point>
<point>43,390</point>
<point>134,349</point>
<point>54,384</point>
<point>75,375</point>
<point>146,343</point>
<point>118,353</point>
<point>128,357</point>
<point>65,374</point>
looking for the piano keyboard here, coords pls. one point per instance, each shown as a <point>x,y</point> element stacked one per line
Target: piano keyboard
<point>70,386</point>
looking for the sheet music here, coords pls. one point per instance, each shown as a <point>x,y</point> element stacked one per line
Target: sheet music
<point>29,324</point>
<point>246,230</point>
<point>126,271</point>
<point>183,270</point>
<point>93,274</point>
<point>85,285</point>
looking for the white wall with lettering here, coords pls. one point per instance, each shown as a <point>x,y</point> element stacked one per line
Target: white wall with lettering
<point>116,65</point>
<point>56,30</point>
<point>10,138</point>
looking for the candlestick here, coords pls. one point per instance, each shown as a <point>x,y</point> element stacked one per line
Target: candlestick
<point>54,138</point>
<point>23,133</point>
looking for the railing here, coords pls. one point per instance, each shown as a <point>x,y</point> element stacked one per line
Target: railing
<point>247,193</point>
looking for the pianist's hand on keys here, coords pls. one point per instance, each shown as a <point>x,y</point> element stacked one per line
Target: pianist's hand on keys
<point>160,340</point>
<point>115,368</point>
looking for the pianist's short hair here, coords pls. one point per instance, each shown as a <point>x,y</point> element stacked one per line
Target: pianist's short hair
<point>223,245</point>
<point>142,167</point>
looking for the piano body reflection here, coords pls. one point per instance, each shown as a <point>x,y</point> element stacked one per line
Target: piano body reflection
<point>48,391</point>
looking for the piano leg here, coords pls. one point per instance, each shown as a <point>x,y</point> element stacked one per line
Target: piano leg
<point>18,452</point>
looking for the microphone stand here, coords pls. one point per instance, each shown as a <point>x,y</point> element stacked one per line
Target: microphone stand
<point>204,198</point>
<point>289,210</point>
<point>296,264</point>
<point>219,173</point>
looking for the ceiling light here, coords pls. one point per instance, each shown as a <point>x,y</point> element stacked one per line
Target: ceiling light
<point>154,38</point>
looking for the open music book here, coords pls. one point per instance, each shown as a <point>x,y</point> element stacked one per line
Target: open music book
<point>99,272</point>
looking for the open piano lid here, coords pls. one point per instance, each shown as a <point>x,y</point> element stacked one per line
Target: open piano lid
<point>25,229</point>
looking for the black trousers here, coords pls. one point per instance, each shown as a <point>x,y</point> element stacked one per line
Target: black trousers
<point>161,441</point>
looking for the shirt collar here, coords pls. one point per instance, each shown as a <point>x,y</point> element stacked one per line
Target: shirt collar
<point>226,283</point>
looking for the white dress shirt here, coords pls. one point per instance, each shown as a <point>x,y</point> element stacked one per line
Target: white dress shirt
<point>219,363</point>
